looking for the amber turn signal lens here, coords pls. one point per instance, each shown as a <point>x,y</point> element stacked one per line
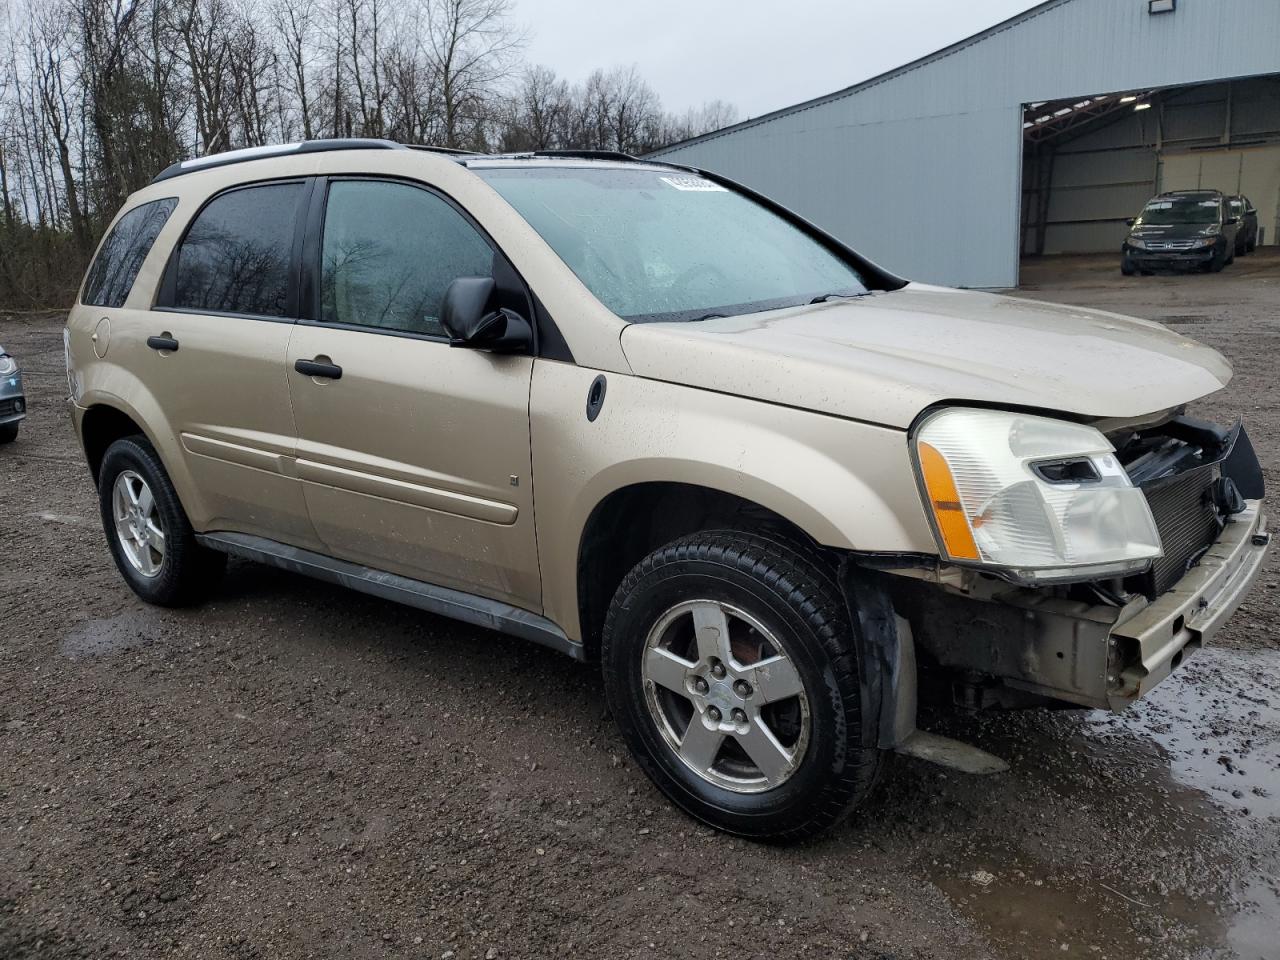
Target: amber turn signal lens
<point>944,500</point>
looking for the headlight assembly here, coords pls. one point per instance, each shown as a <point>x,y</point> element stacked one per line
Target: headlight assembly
<point>7,365</point>
<point>1034,499</point>
<point>1137,244</point>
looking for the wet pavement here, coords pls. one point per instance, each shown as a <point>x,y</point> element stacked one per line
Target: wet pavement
<point>1196,767</point>
<point>295,771</point>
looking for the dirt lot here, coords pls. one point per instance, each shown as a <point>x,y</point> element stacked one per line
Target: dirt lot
<point>295,771</point>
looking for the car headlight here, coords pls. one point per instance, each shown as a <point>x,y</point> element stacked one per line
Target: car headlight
<point>1137,244</point>
<point>8,365</point>
<point>1213,229</point>
<point>1034,499</point>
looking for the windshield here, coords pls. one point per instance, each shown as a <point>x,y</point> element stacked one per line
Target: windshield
<point>657,244</point>
<point>1170,210</point>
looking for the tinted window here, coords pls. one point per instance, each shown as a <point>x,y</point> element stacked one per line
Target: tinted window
<point>390,251</point>
<point>235,257</point>
<point>117,264</point>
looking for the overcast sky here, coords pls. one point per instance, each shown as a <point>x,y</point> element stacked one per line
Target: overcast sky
<point>757,55</point>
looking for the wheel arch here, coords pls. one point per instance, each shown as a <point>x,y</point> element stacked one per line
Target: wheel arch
<point>103,418</point>
<point>631,521</point>
<point>101,425</point>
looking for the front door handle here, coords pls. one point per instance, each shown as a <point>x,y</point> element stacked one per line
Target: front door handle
<point>163,342</point>
<point>318,368</point>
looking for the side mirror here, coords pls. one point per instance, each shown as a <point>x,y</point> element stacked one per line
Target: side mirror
<point>470,322</point>
<point>1131,221</point>
<point>1231,220</point>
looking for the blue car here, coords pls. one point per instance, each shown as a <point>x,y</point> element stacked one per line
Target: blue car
<point>13,403</point>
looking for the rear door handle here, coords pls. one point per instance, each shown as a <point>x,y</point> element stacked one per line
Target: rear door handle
<point>318,368</point>
<point>162,342</point>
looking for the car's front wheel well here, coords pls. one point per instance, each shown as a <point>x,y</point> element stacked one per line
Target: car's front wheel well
<point>632,522</point>
<point>103,426</point>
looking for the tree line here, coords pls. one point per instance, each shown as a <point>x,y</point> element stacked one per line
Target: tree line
<point>97,96</point>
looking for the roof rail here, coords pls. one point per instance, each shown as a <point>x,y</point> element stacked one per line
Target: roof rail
<point>273,150</point>
<point>451,151</point>
<point>588,154</point>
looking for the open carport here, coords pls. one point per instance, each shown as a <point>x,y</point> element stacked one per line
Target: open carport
<point>922,167</point>
<point>1089,163</point>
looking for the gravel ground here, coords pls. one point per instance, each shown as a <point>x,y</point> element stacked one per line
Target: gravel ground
<point>296,771</point>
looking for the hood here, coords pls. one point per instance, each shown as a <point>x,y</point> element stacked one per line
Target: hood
<point>883,358</point>
<point>1174,231</point>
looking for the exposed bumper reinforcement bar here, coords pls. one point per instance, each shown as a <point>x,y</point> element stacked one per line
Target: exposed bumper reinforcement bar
<point>1155,638</point>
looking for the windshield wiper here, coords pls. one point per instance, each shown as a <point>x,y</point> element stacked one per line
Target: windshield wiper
<point>828,297</point>
<point>707,316</point>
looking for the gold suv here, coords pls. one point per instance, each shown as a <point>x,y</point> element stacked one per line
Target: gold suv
<point>641,414</point>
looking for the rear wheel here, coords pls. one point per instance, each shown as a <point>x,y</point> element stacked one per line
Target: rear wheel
<point>732,668</point>
<point>150,537</point>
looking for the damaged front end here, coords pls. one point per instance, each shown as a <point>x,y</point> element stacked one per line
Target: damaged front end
<point>1105,642</point>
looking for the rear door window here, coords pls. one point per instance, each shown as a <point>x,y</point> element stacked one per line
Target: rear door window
<point>236,257</point>
<point>116,266</point>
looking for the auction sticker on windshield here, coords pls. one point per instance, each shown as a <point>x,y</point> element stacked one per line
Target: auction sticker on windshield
<point>693,183</point>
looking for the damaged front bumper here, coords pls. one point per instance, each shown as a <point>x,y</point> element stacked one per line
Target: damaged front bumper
<point>1106,644</point>
<point>1013,646</point>
<point>1150,640</point>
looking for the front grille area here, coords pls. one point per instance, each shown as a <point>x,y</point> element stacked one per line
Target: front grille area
<point>1187,519</point>
<point>1171,244</point>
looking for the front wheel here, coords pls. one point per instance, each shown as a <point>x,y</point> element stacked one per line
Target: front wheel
<point>9,432</point>
<point>732,668</point>
<point>150,537</point>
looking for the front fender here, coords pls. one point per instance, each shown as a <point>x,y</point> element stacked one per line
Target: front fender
<point>848,485</point>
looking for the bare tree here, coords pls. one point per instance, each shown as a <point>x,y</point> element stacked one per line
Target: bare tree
<point>293,25</point>
<point>97,95</point>
<point>472,47</point>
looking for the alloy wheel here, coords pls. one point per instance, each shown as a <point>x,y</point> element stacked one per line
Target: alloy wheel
<point>138,526</point>
<point>725,696</point>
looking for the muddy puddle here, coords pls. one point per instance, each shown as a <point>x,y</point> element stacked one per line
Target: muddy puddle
<point>1186,785</point>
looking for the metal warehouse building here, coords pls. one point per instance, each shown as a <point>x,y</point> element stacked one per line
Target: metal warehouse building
<point>1042,134</point>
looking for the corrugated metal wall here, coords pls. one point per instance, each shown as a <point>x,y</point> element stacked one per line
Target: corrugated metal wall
<point>920,168</point>
<point>1204,136</point>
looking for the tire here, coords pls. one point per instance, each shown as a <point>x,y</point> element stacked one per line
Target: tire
<point>172,570</point>
<point>790,604</point>
<point>1127,267</point>
<point>1218,262</point>
<point>9,432</point>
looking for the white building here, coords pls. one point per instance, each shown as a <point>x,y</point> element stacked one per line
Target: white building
<point>1043,133</point>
